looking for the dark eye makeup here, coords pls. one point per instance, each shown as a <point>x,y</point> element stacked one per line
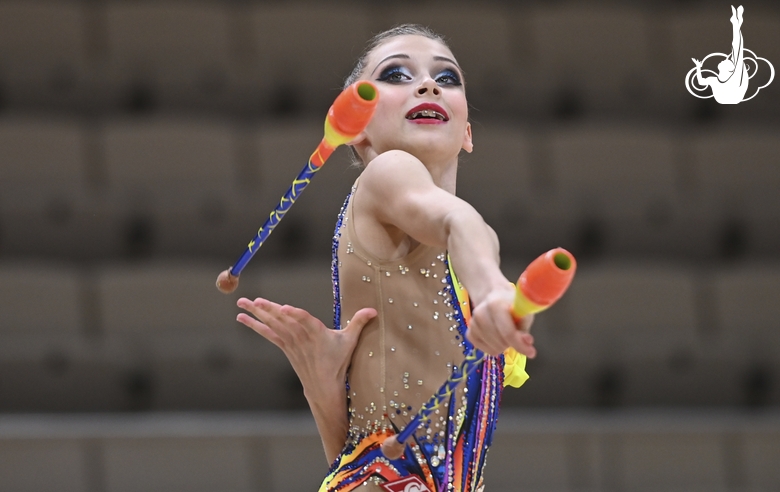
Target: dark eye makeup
<point>448,77</point>
<point>399,73</point>
<point>393,74</point>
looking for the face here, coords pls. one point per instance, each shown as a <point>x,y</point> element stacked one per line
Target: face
<point>422,106</point>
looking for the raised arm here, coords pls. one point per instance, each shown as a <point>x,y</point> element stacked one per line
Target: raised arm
<point>701,80</point>
<point>398,191</point>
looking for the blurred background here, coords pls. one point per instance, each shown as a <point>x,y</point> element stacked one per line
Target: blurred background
<point>142,143</point>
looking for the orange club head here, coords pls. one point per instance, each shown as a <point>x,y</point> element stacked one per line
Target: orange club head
<point>548,277</point>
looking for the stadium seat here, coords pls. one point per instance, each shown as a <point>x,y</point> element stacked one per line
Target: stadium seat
<point>49,205</point>
<point>591,60</point>
<point>172,185</point>
<point>620,189</point>
<point>735,179</point>
<point>44,55</point>
<point>302,56</point>
<point>180,344</point>
<point>634,331</point>
<point>743,300</point>
<point>173,55</point>
<point>305,285</point>
<point>501,179</point>
<point>50,356</point>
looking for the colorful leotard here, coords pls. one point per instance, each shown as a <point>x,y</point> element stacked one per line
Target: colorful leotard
<point>402,358</point>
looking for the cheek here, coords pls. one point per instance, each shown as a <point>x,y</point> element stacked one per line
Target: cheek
<point>460,106</point>
<point>390,101</point>
<point>388,109</point>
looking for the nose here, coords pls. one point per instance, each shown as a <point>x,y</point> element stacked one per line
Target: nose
<point>428,86</point>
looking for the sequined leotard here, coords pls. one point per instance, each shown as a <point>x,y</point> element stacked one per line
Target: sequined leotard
<point>402,358</point>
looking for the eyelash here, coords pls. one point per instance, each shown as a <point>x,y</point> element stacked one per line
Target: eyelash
<point>451,75</point>
<point>388,74</point>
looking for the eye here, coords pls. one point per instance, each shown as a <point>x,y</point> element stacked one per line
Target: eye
<point>448,77</point>
<point>394,74</point>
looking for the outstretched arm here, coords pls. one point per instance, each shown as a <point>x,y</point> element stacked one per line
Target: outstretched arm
<point>398,191</point>
<point>319,356</point>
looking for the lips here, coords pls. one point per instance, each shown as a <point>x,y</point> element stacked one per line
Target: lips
<point>427,113</point>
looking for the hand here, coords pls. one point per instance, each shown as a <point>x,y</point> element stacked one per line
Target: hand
<point>315,352</point>
<point>492,328</point>
<point>697,62</point>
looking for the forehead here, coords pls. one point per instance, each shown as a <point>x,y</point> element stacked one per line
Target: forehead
<point>417,47</point>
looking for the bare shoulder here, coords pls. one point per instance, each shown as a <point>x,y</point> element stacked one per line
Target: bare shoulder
<point>391,178</point>
<point>393,168</point>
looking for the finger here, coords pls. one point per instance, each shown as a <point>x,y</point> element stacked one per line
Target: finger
<point>526,322</point>
<point>298,314</point>
<point>267,310</point>
<point>360,319</point>
<point>277,318</point>
<point>473,336</point>
<point>258,307</point>
<point>505,327</point>
<point>524,343</point>
<point>260,328</point>
<point>481,340</point>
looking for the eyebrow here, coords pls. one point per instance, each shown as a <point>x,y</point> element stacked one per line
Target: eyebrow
<point>407,57</point>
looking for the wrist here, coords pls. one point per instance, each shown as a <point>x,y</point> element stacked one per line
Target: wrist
<point>325,392</point>
<point>498,287</point>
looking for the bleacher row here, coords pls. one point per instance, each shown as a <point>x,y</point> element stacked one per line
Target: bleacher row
<point>533,450</point>
<point>261,57</point>
<point>164,186</point>
<point>158,336</point>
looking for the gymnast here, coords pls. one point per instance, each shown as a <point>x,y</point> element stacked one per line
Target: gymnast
<point>731,84</point>
<point>400,327</point>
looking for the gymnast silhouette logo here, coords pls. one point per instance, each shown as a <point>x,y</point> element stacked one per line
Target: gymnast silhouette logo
<point>730,84</point>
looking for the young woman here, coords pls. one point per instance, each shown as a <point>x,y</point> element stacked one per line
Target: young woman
<point>401,327</point>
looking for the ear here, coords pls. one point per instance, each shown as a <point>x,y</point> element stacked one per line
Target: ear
<point>358,140</point>
<point>468,145</point>
<point>359,145</point>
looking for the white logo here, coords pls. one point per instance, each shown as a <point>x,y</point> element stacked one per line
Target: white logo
<point>730,84</point>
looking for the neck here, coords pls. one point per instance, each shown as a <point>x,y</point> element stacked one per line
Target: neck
<point>445,176</point>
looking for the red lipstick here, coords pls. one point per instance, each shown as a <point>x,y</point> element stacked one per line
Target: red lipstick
<point>427,113</point>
